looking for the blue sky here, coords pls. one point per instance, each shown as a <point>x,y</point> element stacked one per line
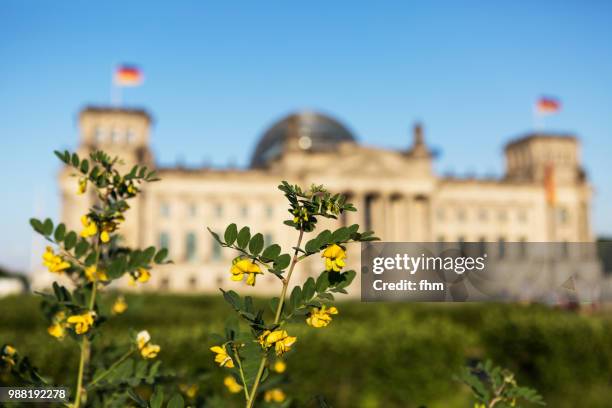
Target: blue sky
<point>217,74</point>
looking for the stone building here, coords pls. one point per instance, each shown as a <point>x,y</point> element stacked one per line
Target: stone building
<point>397,193</point>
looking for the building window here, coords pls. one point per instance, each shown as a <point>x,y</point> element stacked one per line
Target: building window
<point>99,134</point>
<point>219,210</point>
<point>164,240</point>
<point>269,211</point>
<point>114,135</point>
<point>216,250</point>
<point>501,248</point>
<point>193,282</point>
<point>130,136</point>
<point>164,210</point>
<point>164,284</point>
<point>268,239</point>
<point>244,211</point>
<point>483,215</point>
<point>563,215</point>
<point>191,247</point>
<point>522,247</point>
<point>193,210</point>
<point>461,214</point>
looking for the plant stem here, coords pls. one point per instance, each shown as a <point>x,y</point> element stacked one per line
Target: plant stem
<point>110,369</point>
<point>279,309</point>
<point>246,391</point>
<point>85,346</point>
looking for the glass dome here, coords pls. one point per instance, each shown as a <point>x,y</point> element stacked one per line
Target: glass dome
<point>314,132</point>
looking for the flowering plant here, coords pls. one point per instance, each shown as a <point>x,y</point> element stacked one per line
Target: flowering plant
<point>496,387</point>
<point>252,357</point>
<point>89,261</point>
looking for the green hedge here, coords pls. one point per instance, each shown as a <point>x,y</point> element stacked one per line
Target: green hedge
<point>372,355</point>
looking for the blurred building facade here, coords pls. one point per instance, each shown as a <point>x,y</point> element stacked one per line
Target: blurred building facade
<point>544,195</point>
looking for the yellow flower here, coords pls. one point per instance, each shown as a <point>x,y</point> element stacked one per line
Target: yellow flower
<point>8,355</point>
<point>189,390</point>
<point>321,317</point>
<point>119,306</point>
<point>232,385</point>
<point>334,258</point>
<point>89,227</point>
<point>131,189</point>
<point>82,186</point>
<point>142,275</point>
<point>221,357</point>
<point>245,266</point>
<point>274,395</point>
<point>279,366</point>
<point>104,236</point>
<point>53,262</point>
<point>82,322</point>
<point>147,350</point>
<point>56,330</point>
<point>93,274</point>
<point>281,341</point>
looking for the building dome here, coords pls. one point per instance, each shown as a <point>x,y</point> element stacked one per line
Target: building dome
<point>313,132</point>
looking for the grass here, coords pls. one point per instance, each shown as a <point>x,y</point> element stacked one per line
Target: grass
<point>372,355</point>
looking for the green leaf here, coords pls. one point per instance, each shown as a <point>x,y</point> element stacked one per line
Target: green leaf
<point>295,300</point>
<point>91,259</point>
<point>215,235</point>
<point>341,234</point>
<point>37,225</point>
<point>81,248</point>
<point>251,355</point>
<point>244,236</point>
<point>231,232</point>
<point>60,232</point>
<point>312,246</point>
<point>271,253</point>
<point>70,240</point>
<point>308,290</point>
<point>232,298</point>
<point>322,282</point>
<point>84,166</point>
<point>47,227</point>
<point>282,261</point>
<point>60,156</point>
<point>117,267</point>
<point>274,304</point>
<point>161,255</point>
<point>75,160</point>
<point>256,244</point>
<point>148,254</point>
<point>157,398</point>
<point>176,401</point>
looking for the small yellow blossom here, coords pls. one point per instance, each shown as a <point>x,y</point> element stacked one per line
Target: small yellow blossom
<point>53,262</point>
<point>221,357</point>
<point>107,228</point>
<point>147,350</point>
<point>89,227</point>
<point>105,236</point>
<point>245,266</point>
<point>82,186</point>
<point>8,355</point>
<point>56,330</point>
<point>189,390</point>
<point>321,317</point>
<point>281,341</point>
<point>58,326</point>
<point>82,323</point>
<point>232,385</point>
<point>131,189</point>
<point>274,395</point>
<point>119,306</point>
<point>93,274</point>
<point>142,275</point>
<point>334,258</point>
<point>279,366</point>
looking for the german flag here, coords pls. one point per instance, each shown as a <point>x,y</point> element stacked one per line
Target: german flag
<point>548,105</point>
<point>128,75</point>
